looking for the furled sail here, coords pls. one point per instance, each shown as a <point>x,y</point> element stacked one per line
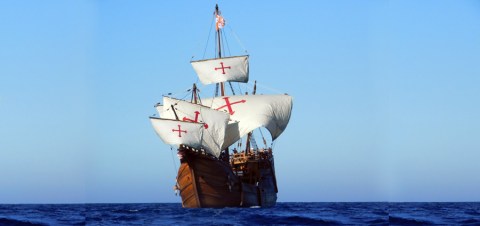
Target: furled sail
<point>233,69</point>
<point>253,111</point>
<point>215,122</point>
<point>178,132</point>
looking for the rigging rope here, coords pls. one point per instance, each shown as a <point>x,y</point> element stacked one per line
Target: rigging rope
<point>269,88</point>
<point>173,159</point>
<point>199,99</point>
<point>248,86</point>
<point>177,92</point>
<point>240,88</point>
<point>184,96</point>
<point>216,41</point>
<point>224,40</point>
<point>263,138</point>
<point>208,39</point>
<point>238,39</point>
<point>231,87</point>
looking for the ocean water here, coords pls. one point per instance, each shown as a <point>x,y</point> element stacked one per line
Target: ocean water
<point>293,213</point>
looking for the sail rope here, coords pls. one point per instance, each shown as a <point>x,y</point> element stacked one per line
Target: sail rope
<point>253,143</point>
<point>248,86</point>
<point>215,49</point>
<point>186,95</point>
<point>225,40</point>
<point>183,91</point>
<point>231,87</point>
<point>198,96</point>
<point>239,88</point>
<point>178,110</point>
<point>238,39</point>
<point>268,88</point>
<point>186,92</point>
<point>208,39</point>
<point>173,160</point>
<point>263,137</point>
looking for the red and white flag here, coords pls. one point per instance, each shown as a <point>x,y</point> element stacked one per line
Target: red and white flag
<point>219,22</point>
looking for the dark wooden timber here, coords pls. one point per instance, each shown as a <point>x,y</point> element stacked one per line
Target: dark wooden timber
<point>249,135</point>
<point>174,112</point>
<point>246,180</point>
<point>194,94</point>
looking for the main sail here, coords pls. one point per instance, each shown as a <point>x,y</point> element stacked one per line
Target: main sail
<point>254,111</point>
<point>228,69</point>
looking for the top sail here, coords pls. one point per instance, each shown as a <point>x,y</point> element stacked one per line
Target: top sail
<point>228,69</point>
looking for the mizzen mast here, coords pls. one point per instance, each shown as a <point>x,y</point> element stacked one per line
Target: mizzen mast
<point>194,94</point>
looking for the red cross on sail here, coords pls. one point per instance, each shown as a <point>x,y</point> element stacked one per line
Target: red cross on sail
<point>175,132</point>
<point>179,130</point>
<point>253,111</point>
<point>223,68</point>
<point>229,105</point>
<point>185,119</point>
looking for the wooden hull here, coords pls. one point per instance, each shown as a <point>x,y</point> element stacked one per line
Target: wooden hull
<point>205,181</point>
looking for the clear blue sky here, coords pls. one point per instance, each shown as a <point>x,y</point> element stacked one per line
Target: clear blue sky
<point>386,96</point>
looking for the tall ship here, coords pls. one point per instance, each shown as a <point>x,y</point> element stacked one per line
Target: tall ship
<point>221,164</point>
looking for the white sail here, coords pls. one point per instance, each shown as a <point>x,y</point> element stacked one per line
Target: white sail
<point>254,111</point>
<point>234,69</point>
<point>232,134</point>
<point>215,121</point>
<point>159,109</point>
<point>178,132</point>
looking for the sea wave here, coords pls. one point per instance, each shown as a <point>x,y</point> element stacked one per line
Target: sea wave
<point>11,222</point>
<point>395,220</point>
<point>291,220</point>
<point>281,214</point>
<point>470,222</point>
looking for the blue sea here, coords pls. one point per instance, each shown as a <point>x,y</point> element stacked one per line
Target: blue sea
<point>292,213</point>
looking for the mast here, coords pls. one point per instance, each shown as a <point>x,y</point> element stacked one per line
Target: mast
<point>249,136</point>
<point>174,112</point>
<point>217,12</point>
<point>222,85</point>
<point>194,94</point>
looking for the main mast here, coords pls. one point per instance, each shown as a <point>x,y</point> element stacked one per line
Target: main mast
<point>249,135</point>
<point>217,15</point>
